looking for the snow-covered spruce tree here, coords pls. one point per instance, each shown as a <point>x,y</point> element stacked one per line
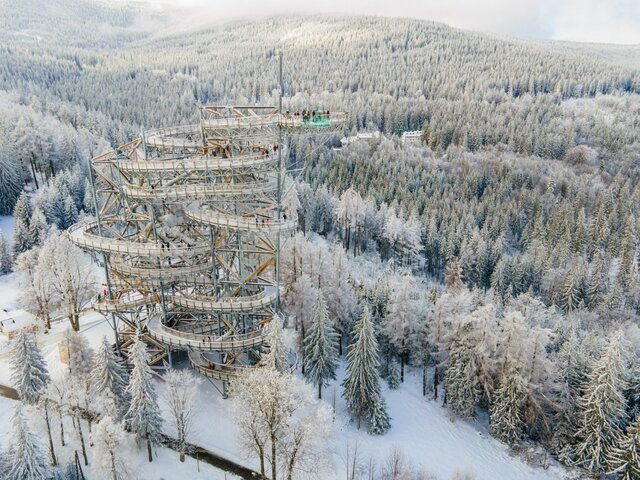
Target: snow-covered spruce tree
<point>181,389</point>
<point>277,357</point>
<point>627,454</point>
<point>393,379</point>
<point>22,240</point>
<point>6,257</point>
<point>143,416</point>
<point>70,211</point>
<point>26,459</point>
<point>461,381</point>
<point>10,179</point>
<point>572,366</point>
<point>602,410</point>
<point>88,204</point>
<point>108,437</point>
<point>38,227</point>
<point>108,377</point>
<point>379,419</point>
<point>361,383</point>
<point>320,347</point>
<point>505,415</point>
<point>29,372</point>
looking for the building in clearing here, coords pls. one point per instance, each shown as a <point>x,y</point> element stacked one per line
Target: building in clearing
<point>188,228</point>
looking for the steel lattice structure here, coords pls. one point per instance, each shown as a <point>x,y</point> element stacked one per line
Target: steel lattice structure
<point>188,226</point>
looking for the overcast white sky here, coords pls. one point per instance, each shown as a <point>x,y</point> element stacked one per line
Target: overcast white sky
<point>603,21</point>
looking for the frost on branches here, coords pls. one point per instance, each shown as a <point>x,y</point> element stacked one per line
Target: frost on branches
<point>180,394</point>
<point>25,459</point>
<point>108,377</point>
<point>281,423</point>
<point>320,347</point>
<point>506,421</point>
<point>143,416</point>
<point>361,383</point>
<point>108,437</point>
<point>277,357</point>
<point>29,373</point>
<point>602,411</point>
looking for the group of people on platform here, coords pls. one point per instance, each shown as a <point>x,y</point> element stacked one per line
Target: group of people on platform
<point>266,150</point>
<point>266,221</point>
<point>311,115</point>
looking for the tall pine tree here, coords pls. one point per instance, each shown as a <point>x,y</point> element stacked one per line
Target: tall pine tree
<point>26,459</point>
<point>143,417</point>
<point>602,410</point>
<point>461,381</point>
<point>627,455</point>
<point>277,357</point>
<point>108,377</point>
<point>22,217</point>
<point>6,258</point>
<point>361,383</point>
<point>29,372</point>
<point>320,347</point>
<point>506,421</point>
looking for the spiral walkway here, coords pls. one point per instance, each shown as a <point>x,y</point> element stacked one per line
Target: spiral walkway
<point>189,223</point>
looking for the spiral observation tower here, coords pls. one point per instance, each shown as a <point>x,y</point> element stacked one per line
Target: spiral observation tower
<point>188,227</point>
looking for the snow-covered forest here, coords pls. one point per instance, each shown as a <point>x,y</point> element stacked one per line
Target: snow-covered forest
<point>491,271</point>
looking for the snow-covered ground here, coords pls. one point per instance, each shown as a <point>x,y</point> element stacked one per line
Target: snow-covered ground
<point>94,326</point>
<point>165,464</point>
<point>421,429</point>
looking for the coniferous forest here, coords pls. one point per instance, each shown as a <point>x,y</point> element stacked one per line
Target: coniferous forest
<point>498,255</point>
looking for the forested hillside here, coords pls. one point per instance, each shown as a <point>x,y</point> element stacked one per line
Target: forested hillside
<point>500,255</point>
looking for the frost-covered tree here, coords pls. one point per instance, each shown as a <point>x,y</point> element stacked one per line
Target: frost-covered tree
<point>80,354</point>
<point>26,459</point>
<point>461,380</point>
<point>393,377</point>
<point>70,211</point>
<point>109,377</point>
<point>35,280</point>
<point>143,416</point>
<point>80,365</point>
<point>181,389</point>
<point>280,422</point>
<point>361,383</point>
<point>277,356</point>
<point>22,240</point>
<point>10,179</point>
<point>108,438</point>
<point>379,419</point>
<point>506,421</point>
<point>303,446</point>
<point>38,227</point>
<point>6,256</point>
<point>320,347</point>
<point>29,372</point>
<point>72,275</point>
<point>627,454</point>
<point>59,392</point>
<point>406,310</point>
<point>602,410</point>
